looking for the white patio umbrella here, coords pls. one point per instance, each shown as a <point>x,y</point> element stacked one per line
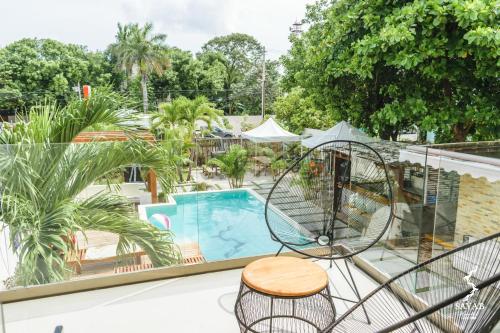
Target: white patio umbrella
<point>341,131</point>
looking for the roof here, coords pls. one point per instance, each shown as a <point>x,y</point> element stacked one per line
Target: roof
<point>102,136</point>
<point>308,132</point>
<point>341,131</point>
<point>270,131</point>
<point>478,159</point>
<point>389,150</point>
<point>235,123</point>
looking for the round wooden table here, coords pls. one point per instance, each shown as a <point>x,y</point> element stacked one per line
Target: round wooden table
<point>284,294</point>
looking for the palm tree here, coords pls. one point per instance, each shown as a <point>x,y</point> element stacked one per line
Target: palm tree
<point>122,38</point>
<point>187,112</point>
<point>233,165</point>
<point>184,112</point>
<point>178,142</point>
<point>140,49</point>
<point>42,173</point>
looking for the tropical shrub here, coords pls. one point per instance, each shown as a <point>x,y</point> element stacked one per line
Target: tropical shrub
<point>177,121</point>
<point>42,173</point>
<point>233,164</point>
<point>277,167</point>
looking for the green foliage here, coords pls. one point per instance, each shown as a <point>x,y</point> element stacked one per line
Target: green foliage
<point>297,112</point>
<point>10,99</point>
<point>202,186</point>
<point>33,70</point>
<point>176,122</point>
<point>178,142</point>
<point>246,125</point>
<point>42,173</point>
<point>240,56</point>
<point>233,164</point>
<point>186,112</point>
<point>139,63</point>
<point>386,66</point>
<point>278,166</point>
<point>187,76</point>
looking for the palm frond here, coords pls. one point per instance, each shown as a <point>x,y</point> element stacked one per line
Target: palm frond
<point>113,213</point>
<point>42,174</point>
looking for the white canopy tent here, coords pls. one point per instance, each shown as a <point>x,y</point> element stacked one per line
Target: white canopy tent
<point>270,131</point>
<point>341,131</point>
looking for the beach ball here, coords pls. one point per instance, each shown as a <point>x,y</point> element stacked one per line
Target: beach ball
<point>161,221</point>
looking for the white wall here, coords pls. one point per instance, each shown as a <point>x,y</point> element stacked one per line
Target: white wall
<point>8,260</point>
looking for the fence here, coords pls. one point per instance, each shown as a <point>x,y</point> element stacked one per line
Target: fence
<point>206,148</point>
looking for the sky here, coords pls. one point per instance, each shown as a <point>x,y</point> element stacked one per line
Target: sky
<point>187,23</point>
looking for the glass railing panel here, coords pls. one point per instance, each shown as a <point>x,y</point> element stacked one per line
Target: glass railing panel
<point>233,178</point>
<point>467,206</point>
<point>2,319</point>
<point>400,247</point>
<point>88,210</point>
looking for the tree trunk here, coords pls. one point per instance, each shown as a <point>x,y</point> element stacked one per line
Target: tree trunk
<point>190,170</point>
<point>460,132</point>
<point>179,173</point>
<point>125,80</point>
<point>389,132</point>
<point>394,135</point>
<point>229,109</point>
<point>385,134</point>
<point>144,86</point>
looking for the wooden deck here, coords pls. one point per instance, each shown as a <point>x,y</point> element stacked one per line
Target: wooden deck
<point>191,254</point>
<point>96,241</point>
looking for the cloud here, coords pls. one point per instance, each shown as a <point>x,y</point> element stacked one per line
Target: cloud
<point>188,23</point>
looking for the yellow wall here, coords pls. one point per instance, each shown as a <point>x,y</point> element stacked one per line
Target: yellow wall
<point>478,211</point>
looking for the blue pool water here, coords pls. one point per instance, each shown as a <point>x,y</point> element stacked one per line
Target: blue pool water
<point>227,224</point>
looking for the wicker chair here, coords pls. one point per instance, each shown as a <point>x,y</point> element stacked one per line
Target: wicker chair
<point>457,291</point>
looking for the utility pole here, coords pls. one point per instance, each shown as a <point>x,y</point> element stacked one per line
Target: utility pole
<point>78,89</point>
<point>296,28</point>
<point>263,84</point>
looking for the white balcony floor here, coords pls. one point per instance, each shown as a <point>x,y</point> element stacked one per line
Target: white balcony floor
<point>200,303</point>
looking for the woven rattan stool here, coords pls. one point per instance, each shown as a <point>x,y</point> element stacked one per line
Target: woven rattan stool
<point>284,294</point>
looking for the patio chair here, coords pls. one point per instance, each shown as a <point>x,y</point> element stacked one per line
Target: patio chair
<point>457,291</point>
<point>333,203</point>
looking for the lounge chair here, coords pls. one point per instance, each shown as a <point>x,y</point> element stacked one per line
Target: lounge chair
<point>435,296</point>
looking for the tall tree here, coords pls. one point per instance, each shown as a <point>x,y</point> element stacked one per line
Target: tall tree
<point>33,70</point>
<point>140,49</point>
<point>390,65</point>
<point>239,54</point>
<point>122,37</point>
<point>297,112</point>
<point>187,76</point>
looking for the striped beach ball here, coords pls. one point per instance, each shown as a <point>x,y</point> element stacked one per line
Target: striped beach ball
<point>161,221</point>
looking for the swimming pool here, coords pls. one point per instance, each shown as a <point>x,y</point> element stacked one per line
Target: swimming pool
<point>226,224</point>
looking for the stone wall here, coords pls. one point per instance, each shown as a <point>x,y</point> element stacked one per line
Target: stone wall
<point>478,211</point>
